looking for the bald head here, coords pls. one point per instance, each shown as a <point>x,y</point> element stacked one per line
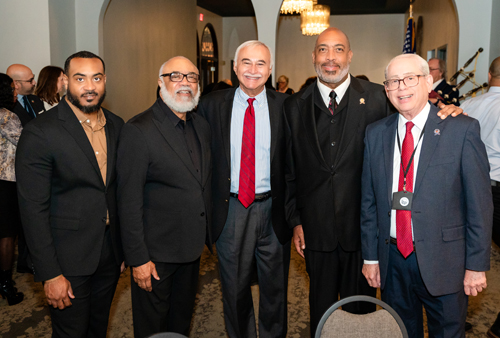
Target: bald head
<point>24,79</point>
<point>177,61</point>
<point>494,73</point>
<point>333,32</point>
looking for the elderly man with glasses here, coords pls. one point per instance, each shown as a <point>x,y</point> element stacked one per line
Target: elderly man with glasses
<point>426,208</point>
<point>28,106</point>
<point>164,174</point>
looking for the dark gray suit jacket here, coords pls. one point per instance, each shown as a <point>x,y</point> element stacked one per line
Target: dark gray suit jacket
<point>23,114</point>
<point>452,205</point>
<point>164,208</point>
<point>62,196</point>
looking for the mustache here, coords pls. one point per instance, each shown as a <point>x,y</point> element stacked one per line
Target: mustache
<point>330,64</point>
<point>90,92</point>
<point>185,88</point>
<point>252,75</point>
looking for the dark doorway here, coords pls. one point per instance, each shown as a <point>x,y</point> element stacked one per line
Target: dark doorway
<point>209,65</point>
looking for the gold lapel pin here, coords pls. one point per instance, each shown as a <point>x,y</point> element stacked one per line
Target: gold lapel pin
<point>361,101</point>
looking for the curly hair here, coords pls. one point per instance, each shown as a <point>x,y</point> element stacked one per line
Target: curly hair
<point>46,89</point>
<point>6,93</point>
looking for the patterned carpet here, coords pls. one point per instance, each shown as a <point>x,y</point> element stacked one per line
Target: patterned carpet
<point>31,317</point>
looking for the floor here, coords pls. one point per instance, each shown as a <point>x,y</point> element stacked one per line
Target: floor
<point>31,317</point>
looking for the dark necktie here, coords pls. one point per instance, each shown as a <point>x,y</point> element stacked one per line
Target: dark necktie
<point>27,106</point>
<point>246,191</point>
<point>333,102</point>
<point>403,217</point>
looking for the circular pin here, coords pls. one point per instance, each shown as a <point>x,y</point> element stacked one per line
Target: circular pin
<point>404,201</point>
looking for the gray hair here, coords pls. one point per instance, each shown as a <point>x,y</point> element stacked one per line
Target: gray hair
<point>424,67</point>
<point>252,43</point>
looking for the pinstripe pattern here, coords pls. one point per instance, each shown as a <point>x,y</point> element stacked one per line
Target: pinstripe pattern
<point>246,193</point>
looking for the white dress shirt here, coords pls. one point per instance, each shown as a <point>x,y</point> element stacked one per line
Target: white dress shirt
<point>262,140</point>
<point>419,123</point>
<point>340,90</point>
<point>435,84</point>
<point>486,109</point>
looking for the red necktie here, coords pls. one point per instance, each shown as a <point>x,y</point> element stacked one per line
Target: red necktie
<point>403,217</point>
<point>246,191</point>
<point>333,102</point>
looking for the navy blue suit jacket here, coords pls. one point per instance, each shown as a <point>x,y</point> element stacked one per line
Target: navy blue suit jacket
<point>452,205</point>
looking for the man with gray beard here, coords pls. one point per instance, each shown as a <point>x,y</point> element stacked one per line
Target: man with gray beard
<point>164,173</point>
<point>325,125</point>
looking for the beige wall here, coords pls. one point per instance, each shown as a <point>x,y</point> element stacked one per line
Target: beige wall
<point>236,30</point>
<point>372,48</point>
<point>440,27</point>
<point>138,37</point>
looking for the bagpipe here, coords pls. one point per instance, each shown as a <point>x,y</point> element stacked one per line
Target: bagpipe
<point>469,76</point>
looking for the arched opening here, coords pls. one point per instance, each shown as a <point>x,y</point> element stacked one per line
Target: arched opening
<point>209,57</point>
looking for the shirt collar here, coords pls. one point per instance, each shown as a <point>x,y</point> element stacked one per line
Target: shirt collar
<point>340,90</point>
<point>241,98</point>
<point>494,89</point>
<point>419,120</point>
<point>435,84</point>
<point>83,119</point>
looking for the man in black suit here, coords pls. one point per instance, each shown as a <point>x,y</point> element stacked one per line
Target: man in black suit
<point>28,106</point>
<point>66,179</point>
<point>164,173</point>
<point>441,90</point>
<point>325,129</point>
<point>248,185</point>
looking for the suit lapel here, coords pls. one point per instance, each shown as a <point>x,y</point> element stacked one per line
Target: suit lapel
<point>353,116</point>
<point>167,129</point>
<point>306,109</point>
<point>389,137</point>
<point>428,145</point>
<point>72,125</point>
<point>226,109</point>
<point>111,147</point>
<point>205,149</point>
<point>274,120</point>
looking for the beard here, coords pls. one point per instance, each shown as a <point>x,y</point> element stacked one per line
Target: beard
<point>186,104</point>
<point>331,77</point>
<point>74,99</point>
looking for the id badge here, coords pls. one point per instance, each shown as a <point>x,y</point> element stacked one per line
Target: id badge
<point>401,200</point>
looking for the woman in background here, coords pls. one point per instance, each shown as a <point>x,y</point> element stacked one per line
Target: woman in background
<point>51,86</point>
<point>10,223</point>
<point>283,85</point>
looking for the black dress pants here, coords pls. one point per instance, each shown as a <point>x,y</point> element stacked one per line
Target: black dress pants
<point>89,313</point>
<point>169,306</point>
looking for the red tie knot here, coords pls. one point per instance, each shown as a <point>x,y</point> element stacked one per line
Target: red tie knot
<point>250,101</point>
<point>409,125</point>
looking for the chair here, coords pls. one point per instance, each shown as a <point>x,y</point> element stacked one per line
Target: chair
<point>384,323</point>
<point>167,335</point>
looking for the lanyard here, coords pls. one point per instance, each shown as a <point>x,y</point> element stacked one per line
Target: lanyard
<point>405,170</point>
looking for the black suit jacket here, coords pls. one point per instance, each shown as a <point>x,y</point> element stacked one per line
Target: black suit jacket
<point>23,114</point>
<point>164,208</point>
<point>325,200</point>
<point>62,195</point>
<point>217,109</point>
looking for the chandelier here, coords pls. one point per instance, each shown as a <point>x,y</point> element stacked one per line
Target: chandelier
<point>291,6</point>
<point>315,21</point>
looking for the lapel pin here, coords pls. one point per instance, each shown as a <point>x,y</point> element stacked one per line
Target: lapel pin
<point>361,101</point>
<point>437,132</point>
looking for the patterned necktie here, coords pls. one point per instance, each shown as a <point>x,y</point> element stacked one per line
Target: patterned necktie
<point>403,217</point>
<point>333,100</point>
<point>27,106</point>
<point>246,191</point>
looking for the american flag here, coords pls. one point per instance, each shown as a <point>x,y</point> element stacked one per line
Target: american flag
<point>409,46</point>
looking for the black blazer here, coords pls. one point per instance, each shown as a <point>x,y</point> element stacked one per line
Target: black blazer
<point>23,114</point>
<point>164,208</point>
<point>327,201</point>
<point>217,107</point>
<point>62,196</point>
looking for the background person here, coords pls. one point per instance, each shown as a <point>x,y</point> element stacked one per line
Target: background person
<point>51,86</point>
<point>10,223</point>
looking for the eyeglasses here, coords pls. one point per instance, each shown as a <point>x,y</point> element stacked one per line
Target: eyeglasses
<point>178,77</point>
<point>409,81</point>
<point>29,81</point>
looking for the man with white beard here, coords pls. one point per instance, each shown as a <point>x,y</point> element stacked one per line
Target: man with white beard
<point>164,200</point>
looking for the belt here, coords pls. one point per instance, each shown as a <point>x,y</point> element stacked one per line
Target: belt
<point>395,242</point>
<point>258,197</point>
<point>495,183</point>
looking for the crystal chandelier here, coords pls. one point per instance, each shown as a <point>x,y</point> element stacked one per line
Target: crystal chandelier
<point>291,6</point>
<point>315,21</point>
